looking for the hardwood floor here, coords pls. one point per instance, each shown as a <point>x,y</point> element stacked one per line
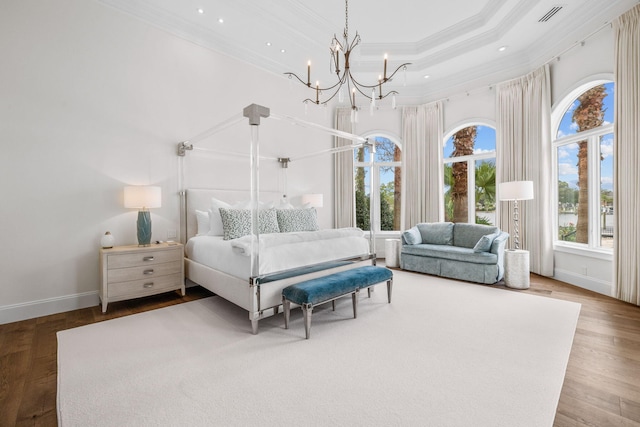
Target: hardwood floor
<point>601,386</point>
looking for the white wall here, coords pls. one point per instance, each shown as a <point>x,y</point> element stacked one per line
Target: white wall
<point>92,100</point>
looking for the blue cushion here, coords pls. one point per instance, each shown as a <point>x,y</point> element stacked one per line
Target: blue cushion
<point>453,253</point>
<point>484,243</point>
<point>466,235</point>
<point>322,289</point>
<point>412,236</point>
<point>436,233</point>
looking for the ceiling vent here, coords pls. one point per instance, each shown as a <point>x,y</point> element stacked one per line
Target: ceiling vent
<point>550,14</point>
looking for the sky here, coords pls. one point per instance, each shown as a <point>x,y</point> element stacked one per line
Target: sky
<point>568,154</point>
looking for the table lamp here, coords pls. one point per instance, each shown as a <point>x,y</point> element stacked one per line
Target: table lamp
<point>143,197</point>
<point>516,190</point>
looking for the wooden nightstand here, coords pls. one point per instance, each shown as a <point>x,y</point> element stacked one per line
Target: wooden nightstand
<point>136,271</point>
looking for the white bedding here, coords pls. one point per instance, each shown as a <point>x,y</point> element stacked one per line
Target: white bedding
<point>278,251</point>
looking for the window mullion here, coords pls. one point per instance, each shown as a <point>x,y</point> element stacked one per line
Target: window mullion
<point>471,191</point>
<point>594,190</point>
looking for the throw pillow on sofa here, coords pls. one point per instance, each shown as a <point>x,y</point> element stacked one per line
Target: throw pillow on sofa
<point>485,242</point>
<point>412,236</point>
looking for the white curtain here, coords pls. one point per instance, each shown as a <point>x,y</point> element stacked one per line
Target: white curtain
<point>626,185</point>
<point>345,199</point>
<point>422,129</point>
<point>523,153</point>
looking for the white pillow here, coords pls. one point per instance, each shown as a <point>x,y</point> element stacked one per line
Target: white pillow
<point>215,221</point>
<point>202,220</point>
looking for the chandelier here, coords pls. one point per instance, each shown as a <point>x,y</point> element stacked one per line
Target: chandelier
<point>344,49</point>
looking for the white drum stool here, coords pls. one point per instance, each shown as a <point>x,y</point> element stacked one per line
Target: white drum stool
<point>392,252</point>
<point>516,268</point>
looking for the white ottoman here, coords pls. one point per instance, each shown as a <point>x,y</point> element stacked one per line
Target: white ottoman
<point>392,252</point>
<point>516,268</point>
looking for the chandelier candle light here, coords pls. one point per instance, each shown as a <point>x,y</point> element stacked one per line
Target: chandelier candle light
<point>344,49</point>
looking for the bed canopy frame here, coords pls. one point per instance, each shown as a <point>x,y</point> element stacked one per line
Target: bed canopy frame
<point>254,114</point>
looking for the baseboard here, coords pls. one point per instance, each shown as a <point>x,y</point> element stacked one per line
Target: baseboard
<point>585,282</point>
<point>45,307</point>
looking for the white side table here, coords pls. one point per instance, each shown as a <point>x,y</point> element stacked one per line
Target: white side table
<point>392,252</point>
<point>516,268</point>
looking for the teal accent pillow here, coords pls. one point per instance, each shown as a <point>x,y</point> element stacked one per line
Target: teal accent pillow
<point>290,220</point>
<point>237,222</point>
<point>484,244</point>
<point>412,236</point>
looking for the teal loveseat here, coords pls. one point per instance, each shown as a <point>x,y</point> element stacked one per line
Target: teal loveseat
<point>470,252</point>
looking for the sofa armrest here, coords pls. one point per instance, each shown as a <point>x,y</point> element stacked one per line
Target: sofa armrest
<point>499,243</point>
<point>497,247</point>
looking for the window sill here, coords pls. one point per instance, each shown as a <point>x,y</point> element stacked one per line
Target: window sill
<point>385,234</point>
<point>603,254</point>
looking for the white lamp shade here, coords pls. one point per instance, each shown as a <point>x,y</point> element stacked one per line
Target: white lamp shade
<point>314,200</point>
<point>516,190</point>
<point>142,196</point>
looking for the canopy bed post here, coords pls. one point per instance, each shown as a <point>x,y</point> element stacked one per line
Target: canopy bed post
<point>253,112</point>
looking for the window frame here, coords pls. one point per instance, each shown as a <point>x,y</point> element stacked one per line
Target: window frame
<point>471,166</point>
<point>592,136</point>
<point>374,168</point>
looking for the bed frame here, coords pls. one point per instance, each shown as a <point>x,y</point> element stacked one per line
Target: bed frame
<point>261,296</point>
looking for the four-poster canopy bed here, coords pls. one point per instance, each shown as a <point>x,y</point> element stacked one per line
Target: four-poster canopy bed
<point>251,271</point>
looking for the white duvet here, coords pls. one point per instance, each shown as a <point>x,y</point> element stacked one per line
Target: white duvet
<point>277,251</point>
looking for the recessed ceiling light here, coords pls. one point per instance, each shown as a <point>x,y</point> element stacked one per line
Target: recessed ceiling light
<point>268,43</point>
<point>220,20</point>
<point>200,11</point>
<point>502,48</point>
<point>427,76</point>
<point>282,51</point>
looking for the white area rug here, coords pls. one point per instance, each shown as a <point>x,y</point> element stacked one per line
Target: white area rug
<point>443,353</point>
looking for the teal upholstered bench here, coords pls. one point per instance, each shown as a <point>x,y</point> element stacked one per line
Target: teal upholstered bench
<point>329,288</point>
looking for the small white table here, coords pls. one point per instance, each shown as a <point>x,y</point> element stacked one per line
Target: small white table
<point>392,252</point>
<point>516,268</point>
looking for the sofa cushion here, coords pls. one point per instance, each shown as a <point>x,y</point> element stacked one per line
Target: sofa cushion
<point>451,252</point>
<point>437,233</point>
<point>412,236</point>
<point>484,243</point>
<point>466,235</point>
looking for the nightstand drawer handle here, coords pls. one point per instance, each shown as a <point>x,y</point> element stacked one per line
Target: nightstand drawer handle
<point>147,258</point>
<point>148,285</point>
<point>148,272</point>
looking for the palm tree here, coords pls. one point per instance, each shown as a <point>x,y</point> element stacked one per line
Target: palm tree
<point>463,143</point>
<point>589,114</point>
<point>486,184</point>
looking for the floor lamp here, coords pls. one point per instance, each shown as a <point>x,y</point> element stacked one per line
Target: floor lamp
<point>514,191</point>
<point>516,274</point>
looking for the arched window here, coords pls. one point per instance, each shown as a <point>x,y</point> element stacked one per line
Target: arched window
<point>583,160</point>
<point>379,172</point>
<point>470,174</point>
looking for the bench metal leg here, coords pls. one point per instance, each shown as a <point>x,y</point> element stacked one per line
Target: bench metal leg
<point>369,291</point>
<point>354,299</point>
<point>286,307</point>
<point>389,289</point>
<point>254,326</point>
<point>307,309</point>
<point>333,305</point>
